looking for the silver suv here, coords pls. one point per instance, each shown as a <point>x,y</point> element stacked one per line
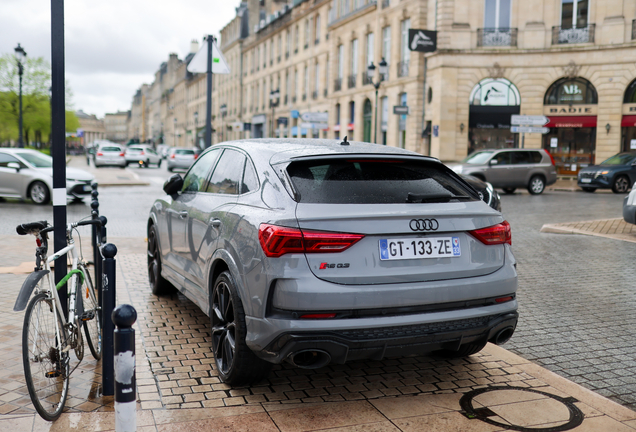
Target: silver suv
<point>510,169</point>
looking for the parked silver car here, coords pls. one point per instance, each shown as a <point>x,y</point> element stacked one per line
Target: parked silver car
<point>181,158</point>
<point>510,169</point>
<point>143,155</point>
<point>320,251</point>
<point>28,174</point>
<point>110,154</point>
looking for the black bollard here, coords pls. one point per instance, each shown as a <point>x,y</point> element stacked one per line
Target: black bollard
<point>98,243</point>
<point>109,297</point>
<point>102,234</point>
<point>124,316</point>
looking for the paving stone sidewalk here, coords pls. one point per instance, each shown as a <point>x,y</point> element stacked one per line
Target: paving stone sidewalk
<point>609,228</point>
<point>178,385</point>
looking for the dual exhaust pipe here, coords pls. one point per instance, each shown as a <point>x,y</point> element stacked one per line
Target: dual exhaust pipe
<point>310,359</point>
<point>502,336</point>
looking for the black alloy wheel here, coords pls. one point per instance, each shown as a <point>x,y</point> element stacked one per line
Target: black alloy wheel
<point>158,284</point>
<point>621,184</point>
<point>235,362</point>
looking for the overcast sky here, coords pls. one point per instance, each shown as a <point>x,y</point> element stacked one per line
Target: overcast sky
<point>113,46</point>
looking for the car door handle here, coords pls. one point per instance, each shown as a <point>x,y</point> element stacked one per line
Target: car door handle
<point>215,223</point>
<point>183,214</point>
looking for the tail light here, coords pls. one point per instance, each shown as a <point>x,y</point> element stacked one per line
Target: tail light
<point>142,153</point>
<point>122,154</point>
<point>172,157</point>
<point>494,235</point>
<point>100,154</point>
<point>551,158</point>
<point>318,316</point>
<point>196,156</point>
<point>277,241</point>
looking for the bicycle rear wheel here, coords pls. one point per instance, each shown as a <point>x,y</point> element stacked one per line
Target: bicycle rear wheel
<point>91,315</point>
<point>46,368</point>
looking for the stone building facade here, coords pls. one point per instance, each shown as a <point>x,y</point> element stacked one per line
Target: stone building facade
<point>571,60</point>
<point>93,127</point>
<point>116,125</point>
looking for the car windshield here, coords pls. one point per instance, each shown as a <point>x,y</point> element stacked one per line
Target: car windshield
<point>619,159</point>
<point>374,181</point>
<point>478,158</point>
<point>37,159</point>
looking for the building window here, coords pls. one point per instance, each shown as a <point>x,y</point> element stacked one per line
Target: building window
<point>307,27</point>
<point>386,44</point>
<point>574,13</point>
<point>296,40</point>
<point>405,52</point>
<point>370,47</point>
<point>354,63</point>
<point>340,61</point>
<point>317,79</point>
<point>385,118</point>
<point>288,44</point>
<point>317,29</point>
<point>352,112</point>
<point>497,14</point>
<point>402,124</point>
<point>337,133</point>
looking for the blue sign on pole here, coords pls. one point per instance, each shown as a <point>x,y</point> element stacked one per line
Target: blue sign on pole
<point>435,130</point>
<point>295,114</point>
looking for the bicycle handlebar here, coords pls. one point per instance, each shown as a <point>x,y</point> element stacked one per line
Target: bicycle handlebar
<point>97,222</point>
<point>43,226</point>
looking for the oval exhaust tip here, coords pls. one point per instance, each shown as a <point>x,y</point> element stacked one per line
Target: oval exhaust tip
<point>310,359</point>
<point>504,336</point>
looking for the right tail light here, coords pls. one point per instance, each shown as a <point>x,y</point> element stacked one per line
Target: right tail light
<point>494,235</point>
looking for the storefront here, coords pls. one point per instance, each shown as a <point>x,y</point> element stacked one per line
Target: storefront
<point>628,122</point>
<point>570,105</point>
<point>492,102</point>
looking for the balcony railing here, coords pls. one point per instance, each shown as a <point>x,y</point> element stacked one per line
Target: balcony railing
<point>285,100</point>
<point>496,37</point>
<point>286,55</point>
<point>573,35</point>
<point>633,29</point>
<point>317,41</point>
<point>306,45</point>
<point>357,6</point>
<point>366,79</point>
<point>304,97</point>
<point>314,95</point>
<point>278,59</point>
<point>403,69</point>
<point>352,81</point>
<point>386,4</point>
<point>325,92</point>
<point>337,85</point>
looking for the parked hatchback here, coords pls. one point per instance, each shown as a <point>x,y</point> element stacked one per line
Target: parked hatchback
<point>110,155</point>
<point>143,155</point>
<point>510,169</point>
<point>181,158</point>
<point>318,252</point>
<point>617,173</point>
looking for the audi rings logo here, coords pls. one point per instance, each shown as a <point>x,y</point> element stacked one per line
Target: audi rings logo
<point>424,224</point>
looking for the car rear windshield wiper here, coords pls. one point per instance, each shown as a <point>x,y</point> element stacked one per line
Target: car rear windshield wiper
<point>428,198</point>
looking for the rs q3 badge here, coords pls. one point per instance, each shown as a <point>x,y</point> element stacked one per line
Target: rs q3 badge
<point>324,266</point>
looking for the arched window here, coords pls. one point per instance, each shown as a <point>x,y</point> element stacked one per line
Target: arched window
<point>630,93</point>
<point>495,92</point>
<point>569,91</point>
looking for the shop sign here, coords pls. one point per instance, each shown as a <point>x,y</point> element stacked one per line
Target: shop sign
<point>569,110</point>
<point>320,126</point>
<point>495,92</point>
<point>401,109</point>
<point>422,40</point>
<point>528,120</point>
<point>629,108</point>
<point>350,126</point>
<point>554,142</point>
<point>282,121</point>
<point>258,119</point>
<point>632,144</point>
<point>435,130</point>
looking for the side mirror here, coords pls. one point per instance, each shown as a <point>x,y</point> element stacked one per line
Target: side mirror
<point>14,165</point>
<point>493,162</point>
<point>173,185</point>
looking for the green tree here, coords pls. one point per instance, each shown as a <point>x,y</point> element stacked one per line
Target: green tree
<point>36,106</point>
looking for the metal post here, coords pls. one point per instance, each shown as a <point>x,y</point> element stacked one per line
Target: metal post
<point>124,316</point>
<point>96,242</point>
<point>523,140</point>
<point>375,122</point>
<point>20,139</point>
<point>208,99</point>
<point>58,138</point>
<point>109,298</point>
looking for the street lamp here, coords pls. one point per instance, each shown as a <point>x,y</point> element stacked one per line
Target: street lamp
<point>384,68</point>
<point>223,109</point>
<point>20,55</point>
<point>274,100</point>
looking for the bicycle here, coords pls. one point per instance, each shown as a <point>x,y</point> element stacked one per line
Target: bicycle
<point>47,336</point>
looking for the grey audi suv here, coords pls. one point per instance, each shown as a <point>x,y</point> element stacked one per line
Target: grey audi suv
<point>324,251</point>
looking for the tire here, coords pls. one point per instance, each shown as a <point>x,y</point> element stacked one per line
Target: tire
<point>170,169</point>
<point>158,285</point>
<point>536,185</point>
<point>235,362</point>
<point>509,190</point>
<point>39,193</point>
<point>159,164</point>
<point>588,189</point>
<point>46,370</point>
<point>91,315</point>
<point>147,164</point>
<point>621,184</point>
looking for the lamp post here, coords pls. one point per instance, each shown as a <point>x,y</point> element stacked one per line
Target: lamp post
<point>20,54</point>
<point>274,100</point>
<point>196,125</point>
<point>384,68</point>
<point>223,110</point>
<point>174,132</point>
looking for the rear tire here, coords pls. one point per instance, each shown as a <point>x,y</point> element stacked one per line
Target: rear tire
<point>92,322</point>
<point>158,284</point>
<point>621,184</point>
<point>159,164</point>
<point>509,190</point>
<point>235,362</point>
<point>46,369</point>
<point>536,185</point>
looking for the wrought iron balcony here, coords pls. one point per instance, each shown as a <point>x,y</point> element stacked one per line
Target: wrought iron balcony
<point>352,80</point>
<point>573,35</point>
<point>403,69</point>
<point>386,4</point>
<point>337,85</point>
<point>497,37</point>
<point>314,95</point>
<point>317,41</point>
<point>325,92</point>
<point>304,97</point>
<point>366,79</point>
<point>293,99</point>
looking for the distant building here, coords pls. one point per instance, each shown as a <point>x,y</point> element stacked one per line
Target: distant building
<point>116,125</point>
<point>92,126</point>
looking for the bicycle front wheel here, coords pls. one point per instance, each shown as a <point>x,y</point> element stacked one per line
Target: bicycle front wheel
<point>46,366</point>
<point>91,315</point>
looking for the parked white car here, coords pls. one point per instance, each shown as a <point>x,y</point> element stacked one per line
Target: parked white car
<point>109,154</point>
<point>629,206</point>
<point>143,155</point>
<point>181,158</point>
<point>28,174</point>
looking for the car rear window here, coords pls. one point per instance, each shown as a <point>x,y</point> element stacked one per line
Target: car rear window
<point>184,152</point>
<point>360,181</point>
<point>135,149</point>
<point>110,149</point>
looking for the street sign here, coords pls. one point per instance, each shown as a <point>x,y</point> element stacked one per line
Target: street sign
<point>317,117</point>
<point>529,129</point>
<point>314,125</point>
<point>401,109</point>
<point>198,64</point>
<point>529,120</point>
<point>422,40</point>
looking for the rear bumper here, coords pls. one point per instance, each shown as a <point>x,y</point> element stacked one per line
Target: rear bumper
<point>383,342</point>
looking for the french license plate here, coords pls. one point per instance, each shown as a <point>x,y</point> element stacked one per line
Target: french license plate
<point>428,247</point>
<point>586,180</point>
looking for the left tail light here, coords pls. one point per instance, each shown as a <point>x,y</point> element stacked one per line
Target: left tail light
<point>142,153</point>
<point>494,235</point>
<point>196,156</point>
<point>172,157</point>
<point>277,241</point>
<point>100,154</point>
<point>122,154</point>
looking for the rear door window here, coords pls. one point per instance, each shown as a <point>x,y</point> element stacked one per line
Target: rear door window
<point>228,173</point>
<point>521,158</point>
<point>535,157</point>
<point>375,181</point>
<point>196,179</point>
<point>502,158</point>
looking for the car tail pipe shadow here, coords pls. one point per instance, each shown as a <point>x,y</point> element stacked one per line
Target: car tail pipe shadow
<point>309,359</point>
<point>503,335</point>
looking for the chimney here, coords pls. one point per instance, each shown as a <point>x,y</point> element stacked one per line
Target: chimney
<point>194,46</point>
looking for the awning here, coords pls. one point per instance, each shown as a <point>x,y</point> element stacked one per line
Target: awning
<point>491,117</point>
<point>628,121</point>
<point>571,121</point>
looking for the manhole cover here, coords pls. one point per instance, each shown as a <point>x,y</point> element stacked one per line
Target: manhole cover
<point>523,409</point>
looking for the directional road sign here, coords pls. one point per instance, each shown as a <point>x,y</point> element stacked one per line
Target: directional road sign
<point>529,120</point>
<point>198,64</point>
<point>529,129</point>
<point>314,125</point>
<point>317,117</point>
